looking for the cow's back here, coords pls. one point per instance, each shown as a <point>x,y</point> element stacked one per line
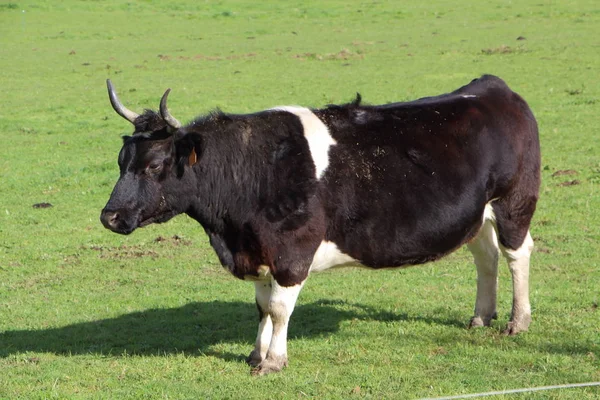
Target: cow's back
<point>408,182</point>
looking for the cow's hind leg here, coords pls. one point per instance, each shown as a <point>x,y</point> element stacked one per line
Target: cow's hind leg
<point>484,248</point>
<point>265,326</point>
<point>518,263</point>
<point>513,216</point>
<point>280,307</point>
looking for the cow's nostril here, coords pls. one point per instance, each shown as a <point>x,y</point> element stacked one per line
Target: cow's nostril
<point>113,219</point>
<point>110,219</point>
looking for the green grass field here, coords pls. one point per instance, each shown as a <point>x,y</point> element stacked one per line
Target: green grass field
<point>85,313</point>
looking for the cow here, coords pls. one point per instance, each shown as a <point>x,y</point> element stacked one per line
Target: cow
<point>288,191</point>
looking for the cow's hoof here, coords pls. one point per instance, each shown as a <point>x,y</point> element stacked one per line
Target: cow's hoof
<point>478,321</point>
<point>270,365</point>
<point>517,325</point>
<point>254,359</point>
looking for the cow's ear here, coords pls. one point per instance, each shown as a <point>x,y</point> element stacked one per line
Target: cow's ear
<point>188,150</point>
<point>193,157</point>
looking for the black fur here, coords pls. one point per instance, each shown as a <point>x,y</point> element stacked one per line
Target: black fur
<point>406,183</point>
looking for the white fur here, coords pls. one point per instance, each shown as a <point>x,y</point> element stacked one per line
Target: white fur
<point>485,250</point>
<point>327,256</point>
<point>317,135</point>
<point>281,304</point>
<point>467,96</point>
<point>265,327</point>
<point>523,251</point>
<point>277,304</point>
<point>488,213</point>
<point>518,263</point>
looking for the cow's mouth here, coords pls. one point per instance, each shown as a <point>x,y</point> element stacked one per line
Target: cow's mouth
<point>122,221</point>
<point>146,222</point>
<point>157,219</point>
<point>163,214</point>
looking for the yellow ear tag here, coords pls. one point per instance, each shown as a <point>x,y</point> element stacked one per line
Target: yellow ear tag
<point>192,158</point>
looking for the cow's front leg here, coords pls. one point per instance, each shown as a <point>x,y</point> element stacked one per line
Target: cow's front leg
<point>265,326</point>
<point>280,307</point>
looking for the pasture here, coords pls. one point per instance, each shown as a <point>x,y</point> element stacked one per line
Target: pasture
<point>85,313</point>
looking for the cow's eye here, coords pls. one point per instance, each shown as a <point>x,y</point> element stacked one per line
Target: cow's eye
<point>155,167</point>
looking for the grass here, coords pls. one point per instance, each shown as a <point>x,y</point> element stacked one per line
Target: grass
<point>88,314</point>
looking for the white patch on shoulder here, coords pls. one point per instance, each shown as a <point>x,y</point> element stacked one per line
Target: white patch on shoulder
<point>317,135</point>
<point>467,96</point>
<point>327,256</point>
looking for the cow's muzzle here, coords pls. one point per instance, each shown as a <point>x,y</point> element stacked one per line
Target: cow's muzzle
<point>115,221</point>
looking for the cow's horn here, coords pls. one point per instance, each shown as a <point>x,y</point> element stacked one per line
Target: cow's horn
<point>117,106</point>
<point>165,114</point>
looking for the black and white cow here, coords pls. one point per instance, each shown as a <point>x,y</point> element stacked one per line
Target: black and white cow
<point>289,191</point>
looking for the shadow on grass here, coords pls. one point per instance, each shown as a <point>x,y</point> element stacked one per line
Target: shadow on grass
<point>191,329</point>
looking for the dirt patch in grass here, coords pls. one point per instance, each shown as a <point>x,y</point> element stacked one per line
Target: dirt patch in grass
<point>343,54</point>
<point>124,252</point>
<point>42,205</point>
<point>202,57</point>
<point>563,172</point>
<point>504,50</point>
<point>175,240</point>
<point>570,183</point>
<point>138,251</point>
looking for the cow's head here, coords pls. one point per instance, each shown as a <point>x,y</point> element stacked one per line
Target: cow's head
<point>153,183</point>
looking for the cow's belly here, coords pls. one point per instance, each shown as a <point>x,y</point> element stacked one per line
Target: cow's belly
<point>328,255</point>
<point>376,245</point>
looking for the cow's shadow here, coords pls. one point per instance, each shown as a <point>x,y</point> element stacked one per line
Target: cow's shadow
<point>190,329</point>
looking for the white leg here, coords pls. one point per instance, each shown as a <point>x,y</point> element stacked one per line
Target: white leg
<point>518,263</point>
<point>281,304</point>
<point>485,253</point>
<point>265,327</point>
